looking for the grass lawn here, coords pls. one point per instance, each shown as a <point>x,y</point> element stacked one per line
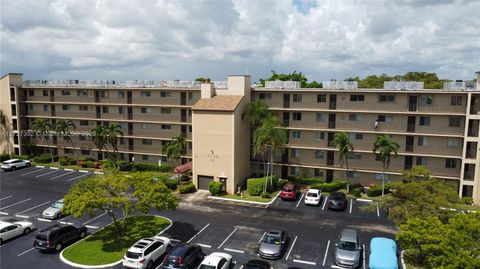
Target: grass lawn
<point>248,197</point>
<point>103,247</point>
<point>77,167</point>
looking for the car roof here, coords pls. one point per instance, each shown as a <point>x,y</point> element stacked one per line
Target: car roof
<point>212,260</point>
<point>54,228</point>
<point>337,194</point>
<point>275,232</point>
<point>179,249</point>
<point>11,160</point>
<point>314,190</point>
<point>289,186</point>
<point>141,245</point>
<point>4,224</point>
<point>348,235</point>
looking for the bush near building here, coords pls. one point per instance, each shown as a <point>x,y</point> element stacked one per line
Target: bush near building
<point>4,157</point>
<point>255,186</point>
<point>215,187</point>
<point>45,159</point>
<point>330,187</point>
<point>187,188</point>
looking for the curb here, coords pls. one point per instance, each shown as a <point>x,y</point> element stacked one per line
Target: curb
<point>243,201</point>
<point>364,200</point>
<point>77,265</point>
<point>402,261</point>
<point>39,166</point>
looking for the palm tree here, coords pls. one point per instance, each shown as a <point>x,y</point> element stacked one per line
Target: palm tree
<point>385,145</point>
<point>258,112</point>
<point>63,129</point>
<point>175,148</point>
<point>342,142</point>
<point>99,138</point>
<point>112,132</point>
<point>4,128</point>
<point>267,139</point>
<point>43,128</point>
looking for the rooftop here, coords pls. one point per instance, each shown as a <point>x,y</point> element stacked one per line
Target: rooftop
<point>218,103</point>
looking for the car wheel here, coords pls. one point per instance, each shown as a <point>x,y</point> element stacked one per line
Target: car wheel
<point>1,241</point>
<point>150,265</point>
<point>29,164</point>
<point>27,230</point>
<point>13,168</point>
<point>58,246</point>
<point>82,234</point>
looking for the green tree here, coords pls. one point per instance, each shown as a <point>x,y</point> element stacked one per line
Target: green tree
<point>430,80</point>
<point>385,145</point>
<point>4,128</point>
<point>294,76</point>
<point>63,128</point>
<point>43,128</point>
<point>258,113</point>
<point>175,148</point>
<point>417,172</point>
<point>344,146</point>
<point>111,133</point>
<point>111,191</point>
<point>99,138</point>
<point>202,79</point>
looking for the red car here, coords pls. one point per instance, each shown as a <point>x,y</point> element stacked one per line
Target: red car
<point>289,192</point>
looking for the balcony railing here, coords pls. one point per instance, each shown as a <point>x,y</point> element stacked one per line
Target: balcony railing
<point>459,85</point>
<point>403,85</point>
<point>340,85</point>
<point>278,84</point>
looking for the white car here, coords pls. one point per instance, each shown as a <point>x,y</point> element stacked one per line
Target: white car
<point>54,211</point>
<point>14,164</point>
<point>145,252</point>
<point>313,197</point>
<point>216,260</point>
<point>9,230</point>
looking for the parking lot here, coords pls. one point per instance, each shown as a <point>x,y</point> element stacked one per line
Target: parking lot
<point>232,228</point>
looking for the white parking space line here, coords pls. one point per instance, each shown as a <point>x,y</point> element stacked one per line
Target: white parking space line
<point>300,200</point>
<point>236,228</point>
<point>61,175</point>
<point>4,213</point>
<point>351,205</point>
<point>66,223</point>
<point>188,242</point>
<point>39,166</point>
<point>22,216</point>
<point>324,202</point>
<point>68,169</point>
<point>304,262</point>
<point>44,220</point>
<point>6,197</point>
<point>234,250</point>
<point>31,172</point>
<point>326,253</point>
<point>23,201</point>
<point>77,177</point>
<point>293,244</point>
<point>83,171</point>
<point>50,172</point>
<point>92,227</point>
<point>378,211</point>
<point>25,252</point>
<point>31,208</point>
<point>97,217</point>
<point>205,246</point>
<point>260,240</point>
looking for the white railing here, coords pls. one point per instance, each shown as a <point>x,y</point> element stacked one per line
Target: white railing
<point>113,83</point>
<point>459,85</point>
<point>220,84</point>
<point>403,85</point>
<point>340,85</point>
<point>278,84</point>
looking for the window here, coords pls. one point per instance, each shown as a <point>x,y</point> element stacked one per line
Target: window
<point>68,151</point>
<point>450,163</point>
<point>356,136</point>
<point>294,153</point>
<point>355,117</point>
<point>294,171</point>
<point>190,95</point>
<point>145,158</point>
<point>422,141</point>
<point>297,97</point>
<point>45,92</point>
<point>146,110</point>
<point>378,157</point>
<point>83,108</point>
<point>165,94</point>
<point>357,97</point>
<point>103,94</point>
<point>454,121</point>
<point>385,118</point>
<point>453,142</point>
<point>166,110</point>
<point>353,174</point>
<point>145,126</point>
<point>65,107</point>
<point>379,176</point>
<point>147,141</point>
<point>421,160</point>
<point>84,123</point>
<point>31,93</point>
<point>426,100</point>
<point>121,94</point>
<point>320,117</point>
<point>295,134</point>
<point>121,110</point>
<point>82,138</point>
<point>166,127</point>
<point>456,100</point>
<point>65,92</point>
<point>105,109</point>
<point>265,96</point>
<point>46,107</point>
<point>317,172</point>
<point>30,107</point>
<point>320,135</point>
<point>145,94</point>
<point>354,156</point>
<point>85,152</point>
<point>386,98</point>
<point>297,116</point>
<point>321,98</point>
<point>319,154</point>
<point>81,93</point>
<point>424,121</point>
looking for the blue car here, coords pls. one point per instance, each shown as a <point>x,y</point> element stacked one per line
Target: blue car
<point>383,253</point>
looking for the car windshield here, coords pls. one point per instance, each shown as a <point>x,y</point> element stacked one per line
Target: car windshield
<point>204,266</point>
<point>272,239</point>
<point>42,237</point>
<point>312,194</point>
<point>133,255</point>
<point>345,245</point>
<point>57,205</point>
<point>287,190</point>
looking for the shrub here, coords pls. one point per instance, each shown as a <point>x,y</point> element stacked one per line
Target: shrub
<point>44,159</point>
<point>356,192</point>
<point>187,188</point>
<point>266,195</point>
<point>90,164</point>
<point>64,160</point>
<point>329,187</point>
<point>255,186</point>
<point>312,180</point>
<point>21,157</point>
<point>215,187</point>
<point>72,162</point>
<point>356,186</point>
<point>467,200</point>
<point>377,191</point>
<point>4,157</point>
<point>166,168</point>
<point>171,183</point>
<point>124,166</point>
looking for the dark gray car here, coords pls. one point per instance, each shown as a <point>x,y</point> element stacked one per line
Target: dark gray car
<point>348,251</point>
<point>273,244</point>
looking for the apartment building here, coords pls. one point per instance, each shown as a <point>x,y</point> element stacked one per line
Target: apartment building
<point>436,128</point>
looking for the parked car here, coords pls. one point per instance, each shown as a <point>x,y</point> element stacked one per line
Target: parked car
<point>257,264</point>
<point>145,252</point>
<point>57,236</point>
<point>337,201</point>
<point>289,192</point>
<point>383,254</point>
<point>54,211</point>
<point>217,260</point>
<point>272,244</point>
<point>182,256</point>
<point>313,197</point>
<point>348,250</point>
<point>9,230</point>
<point>14,164</point>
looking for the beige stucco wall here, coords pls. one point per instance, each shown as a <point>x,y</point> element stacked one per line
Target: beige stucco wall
<point>6,134</point>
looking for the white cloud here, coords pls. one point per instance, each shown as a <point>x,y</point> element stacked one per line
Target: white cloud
<point>112,39</point>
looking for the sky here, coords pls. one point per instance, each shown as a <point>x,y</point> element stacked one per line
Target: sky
<point>159,39</point>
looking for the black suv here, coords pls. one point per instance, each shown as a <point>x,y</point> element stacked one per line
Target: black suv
<point>58,235</point>
<point>337,201</point>
<point>182,256</point>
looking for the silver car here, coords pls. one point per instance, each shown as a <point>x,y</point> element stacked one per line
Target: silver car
<point>14,164</point>
<point>54,211</point>
<point>348,251</point>
<point>272,244</point>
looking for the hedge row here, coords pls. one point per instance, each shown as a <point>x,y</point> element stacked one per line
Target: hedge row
<point>215,187</point>
<point>187,188</point>
<point>142,167</point>
<point>376,191</point>
<point>46,158</point>
<point>4,157</point>
<point>332,186</point>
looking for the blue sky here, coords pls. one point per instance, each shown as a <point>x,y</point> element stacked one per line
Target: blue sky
<point>161,39</point>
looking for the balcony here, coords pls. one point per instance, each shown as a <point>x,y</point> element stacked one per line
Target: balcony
<point>459,85</point>
<point>403,85</point>
<point>278,84</point>
<point>340,85</point>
